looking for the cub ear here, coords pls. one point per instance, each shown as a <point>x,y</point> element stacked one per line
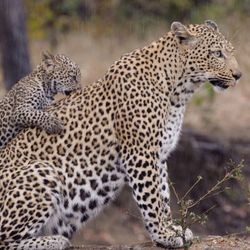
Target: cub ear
<point>211,24</point>
<point>181,32</point>
<point>47,55</point>
<point>48,61</point>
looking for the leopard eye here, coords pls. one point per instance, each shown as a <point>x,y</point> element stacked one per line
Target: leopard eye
<point>218,53</point>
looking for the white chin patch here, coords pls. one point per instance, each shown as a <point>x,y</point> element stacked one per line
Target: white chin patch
<point>218,89</point>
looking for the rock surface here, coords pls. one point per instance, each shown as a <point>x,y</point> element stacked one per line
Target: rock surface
<point>207,243</point>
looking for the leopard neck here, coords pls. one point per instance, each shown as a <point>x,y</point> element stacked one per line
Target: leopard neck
<point>172,73</point>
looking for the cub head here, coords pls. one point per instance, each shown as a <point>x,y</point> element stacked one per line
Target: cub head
<point>61,72</point>
<point>209,56</point>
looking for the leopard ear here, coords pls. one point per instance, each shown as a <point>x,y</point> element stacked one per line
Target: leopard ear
<point>182,33</point>
<point>211,24</point>
<point>48,61</point>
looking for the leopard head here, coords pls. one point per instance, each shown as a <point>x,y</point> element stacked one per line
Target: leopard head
<point>61,72</point>
<point>209,56</point>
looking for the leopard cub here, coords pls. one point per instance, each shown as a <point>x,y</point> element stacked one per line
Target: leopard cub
<point>23,106</point>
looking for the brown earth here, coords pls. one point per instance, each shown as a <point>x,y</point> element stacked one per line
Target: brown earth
<point>205,243</point>
<point>208,243</point>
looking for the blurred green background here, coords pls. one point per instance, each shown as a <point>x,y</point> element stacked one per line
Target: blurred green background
<point>50,18</point>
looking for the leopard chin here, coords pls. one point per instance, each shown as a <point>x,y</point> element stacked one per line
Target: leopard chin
<point>219,84</point>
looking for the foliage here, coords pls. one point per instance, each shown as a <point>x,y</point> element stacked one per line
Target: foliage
<point>187,216</point>
<point>49,18</point>
<point>53,17</point>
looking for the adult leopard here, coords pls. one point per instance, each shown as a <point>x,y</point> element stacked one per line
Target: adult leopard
<point>23,106</point>
<point>117,130</point>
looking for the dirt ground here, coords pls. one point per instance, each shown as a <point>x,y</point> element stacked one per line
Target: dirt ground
<point>207,243</point>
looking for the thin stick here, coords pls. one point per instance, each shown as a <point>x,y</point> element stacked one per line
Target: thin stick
<point>174,190</point>
<point>228,176</point>
<point>199,178</point>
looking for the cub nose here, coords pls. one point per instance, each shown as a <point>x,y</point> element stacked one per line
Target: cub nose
<point>237,75</point>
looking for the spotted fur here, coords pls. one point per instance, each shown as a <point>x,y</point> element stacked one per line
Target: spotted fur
<point>118,130</point>
<point>23,106</point>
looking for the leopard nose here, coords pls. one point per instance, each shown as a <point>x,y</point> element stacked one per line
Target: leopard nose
<point>237,75</point>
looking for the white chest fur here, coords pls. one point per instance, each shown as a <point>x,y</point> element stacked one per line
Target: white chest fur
<point>171,132</point>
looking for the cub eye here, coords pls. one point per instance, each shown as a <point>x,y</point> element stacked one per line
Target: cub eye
<point>218,53</point>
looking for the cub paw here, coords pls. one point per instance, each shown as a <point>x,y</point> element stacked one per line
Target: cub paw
<point>55,126</point>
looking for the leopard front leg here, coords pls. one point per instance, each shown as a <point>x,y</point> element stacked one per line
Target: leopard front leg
<point>164,189</point>
<point>28,117</point>
<point>144,179</point>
